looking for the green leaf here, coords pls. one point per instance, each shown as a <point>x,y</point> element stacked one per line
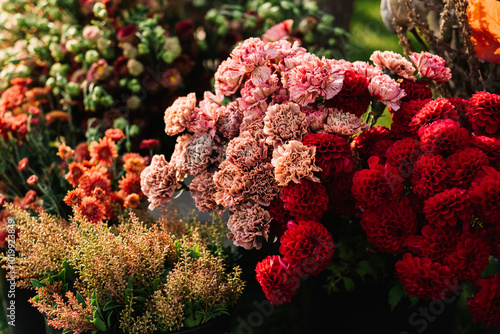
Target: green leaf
<point>396,293</point>
<point>111,305</point>
<point>80,298</point>
<point>99,323</point>
<point>348,283</point>
<point>364,268</point>
<point>37,284</point>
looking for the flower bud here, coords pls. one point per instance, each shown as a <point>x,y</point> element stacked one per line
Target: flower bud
<point>73,46</point>
<point>73,89</point>
<point>22,70</point>
<point>107,100</point>
<point>134,85</point>
<point>91,56</point>
<point>120,123</point>
<point>129,50</point>
<point>143,48</point>
<point>264,10</point>
<point>133,102</point>
<point>99,10</point>
<point>134,130</point>
<point>135,67</point>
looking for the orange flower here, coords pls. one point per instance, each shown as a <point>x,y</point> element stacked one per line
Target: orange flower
<point>130,183</point>
<point>114,134</point>
<point>12,97</point>
<point>74,197</point>
<point>56,115</point>
<point>76,170</point>
<point>132,201</point>
<point>94,178</point>
<point>103,152</point>
<point>92,209</point>
<point>134,164</point>
<point>99,193</point>
<point>65,152</point>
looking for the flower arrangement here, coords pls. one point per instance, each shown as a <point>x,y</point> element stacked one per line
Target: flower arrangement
<point>289,137</point>
<point>132,278</point>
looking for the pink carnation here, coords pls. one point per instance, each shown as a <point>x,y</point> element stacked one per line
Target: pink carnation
<point>293,162</point>
<point>159,182</point>
<point>313,78</point>
<point>284,122</point>
<point>394,62</point>
<point>386,90</point>
<point>179,113</point>
<point>249,226</point>
<point>431,66</point>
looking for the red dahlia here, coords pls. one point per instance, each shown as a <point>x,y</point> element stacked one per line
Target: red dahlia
<point>485,305</point>
<point>402,118</point>
<point>448,207</point>
<point>416,90</point>
<point>436,109</point>
<point>305,200</point>
<point>425,279</point>
<point>354,85</point>
<point>377,185</point>
<point>279,216</point>
<point>278,283</point>
<point>340,195</point>
<point>333,153</point>
<point>464,165</point>
<point>483,110</point>
<point>366,139</point>
<point>307,246</point>
<point>470,257</point>
<point>402,155</point>
<point>428,175</point>
<point>389,226</point>
<point>490,146</point>
<point>443,136</point>
<point>485,196</point>
<point>436,242</point>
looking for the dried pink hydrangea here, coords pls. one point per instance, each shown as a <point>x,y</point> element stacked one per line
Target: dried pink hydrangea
<point>179,113</point>
<point>229,119</point>
<point>159,182</point>
<point>395,63</point>
<point>262,185</point>
<point>294,161</point>
<point>199,153</point>
<point>386,90</point>
<point>245,151</point>
<point>313,78</point>
<point>431,66</point>
<point>203,190</point>
<point>343,123</point>
<point>284,122</point>
<point>230,183</point>
<point>249,226</point>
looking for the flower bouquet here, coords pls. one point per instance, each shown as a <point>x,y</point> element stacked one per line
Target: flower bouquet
<point>130,278</point>
<point>289,138</point>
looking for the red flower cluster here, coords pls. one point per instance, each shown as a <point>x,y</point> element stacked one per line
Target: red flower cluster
<point>277,282</point>
<point>435,202</point>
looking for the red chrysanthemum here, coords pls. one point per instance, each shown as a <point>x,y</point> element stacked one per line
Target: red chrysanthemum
<point>103,152</point>
<point>307,247</point>
<point>377,185</point>
<point>484,306</point>
<point>278,283</point>
<point>425,279</point>
<point>436,109</point>
<point>340,195</point>
<point>483,110</point>
<point>485,196</point>
<point>389,226</point>
<point>305,200</point>
<point>114,134</point>
<point>92,209</point>
<point>279,216</point>
<point>443,136</point>
<point>364,142</point>
<point>401,119</point>
<point>463,166</point>
<point>354,85</point>
<point>416,90</point>
<point>429,174</point>
<point>448,207</point>
<point>490,146</point>
<point>470,257</point>
<point>402,155</point>
<point>435,242</point>
<point>333,153</point>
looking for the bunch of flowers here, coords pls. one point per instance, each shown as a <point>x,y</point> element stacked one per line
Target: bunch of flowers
<point>273,146</point>
<point>430,194</point>
<point>133,278</point>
